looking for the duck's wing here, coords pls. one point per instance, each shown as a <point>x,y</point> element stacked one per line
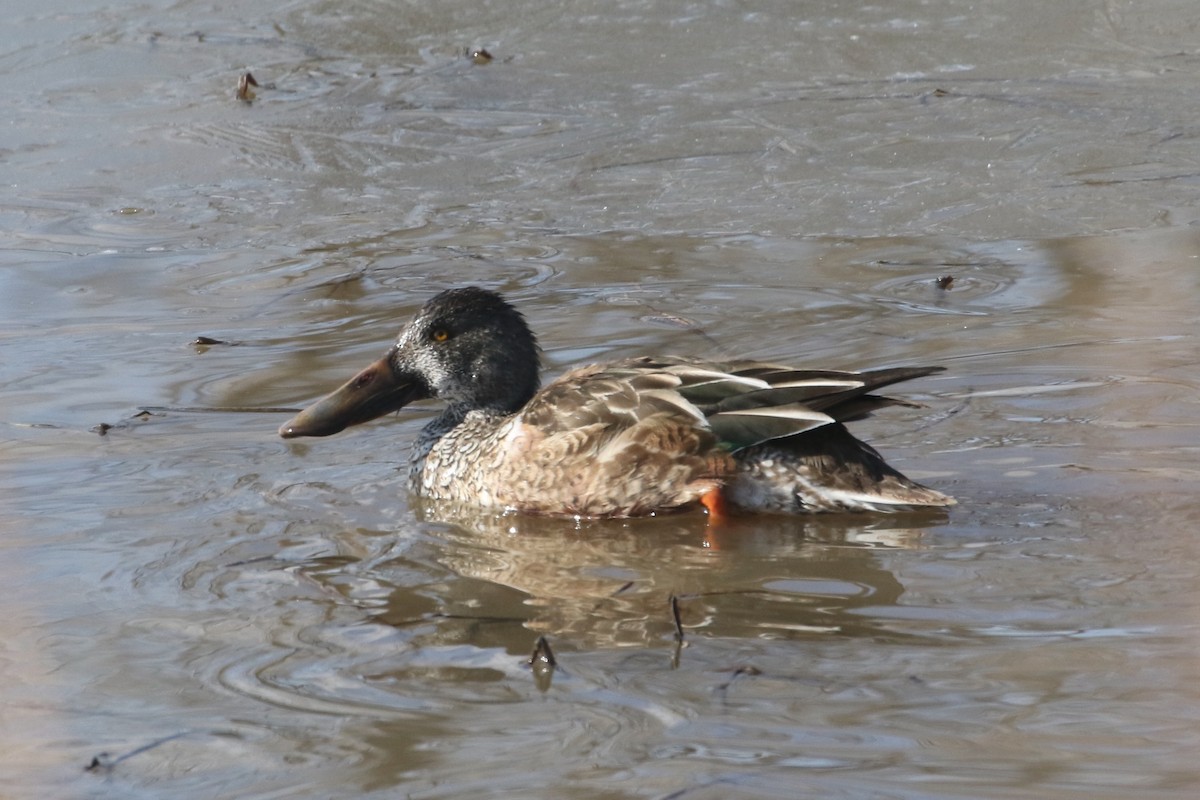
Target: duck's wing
<point>844,395</point>
<point>794,453</point>
<point>613,442</point>
<point>750,402</point>
<point>674,427</point>
<point>743,402</point>
<point>821,397</point>
<point>616,396</point>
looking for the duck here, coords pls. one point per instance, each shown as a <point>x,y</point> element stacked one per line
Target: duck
<point>630,438</point>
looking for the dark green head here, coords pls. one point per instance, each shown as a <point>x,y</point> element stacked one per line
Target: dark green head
<point>467,347</point>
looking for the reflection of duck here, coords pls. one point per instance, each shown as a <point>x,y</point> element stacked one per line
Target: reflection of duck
<point>752,576</point>
<point>630,438</point>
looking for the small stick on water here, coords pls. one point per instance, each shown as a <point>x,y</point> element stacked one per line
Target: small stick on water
<point>675,617</point>
<point>542,653</point>
<point>244,92</point>
<point>146,412</point>
<point>217,410</point>
<point>749,669</point>
<point>102,760</point>
<point>543,664</point>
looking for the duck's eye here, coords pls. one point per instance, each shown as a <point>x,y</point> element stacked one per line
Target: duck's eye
<point>440,334</point>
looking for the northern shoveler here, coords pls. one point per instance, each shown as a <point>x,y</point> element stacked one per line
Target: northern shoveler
<point>623,439</point>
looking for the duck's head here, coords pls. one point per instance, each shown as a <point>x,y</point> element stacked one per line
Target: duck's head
<point>467,347</point>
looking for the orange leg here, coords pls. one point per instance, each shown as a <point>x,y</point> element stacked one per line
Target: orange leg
<point>718,513</point>
<point>718,508</point>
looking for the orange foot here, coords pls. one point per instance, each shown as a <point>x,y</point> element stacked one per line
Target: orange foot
<point>718,513</point>
<point>718,507</point>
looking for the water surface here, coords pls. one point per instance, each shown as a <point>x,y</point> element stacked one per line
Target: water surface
<point>209,611</point>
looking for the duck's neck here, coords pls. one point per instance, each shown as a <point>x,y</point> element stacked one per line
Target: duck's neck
<point>450,418</point>
<point>486,421</point>
<point>454,413</point>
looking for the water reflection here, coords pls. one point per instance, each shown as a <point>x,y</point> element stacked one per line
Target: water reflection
<point>776,180</point>
<point>603,584</point>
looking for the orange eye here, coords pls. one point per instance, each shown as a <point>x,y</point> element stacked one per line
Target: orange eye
<point>441,335</point>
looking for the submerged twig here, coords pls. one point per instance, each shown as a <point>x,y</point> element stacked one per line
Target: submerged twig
<point>543,664</point>
<point>244,92</point>
<point>146,412</point>
<point>218,410</point>
<point>542,654</point>
<point>675,617</point>
<point>749,669</point>
<point>101,761</point>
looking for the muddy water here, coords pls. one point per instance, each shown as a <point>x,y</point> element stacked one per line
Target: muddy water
<point>208,611</point>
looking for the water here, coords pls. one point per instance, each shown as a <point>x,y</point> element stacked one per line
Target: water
<point>223,614</point>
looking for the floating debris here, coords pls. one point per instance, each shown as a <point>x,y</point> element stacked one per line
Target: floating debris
<point>945,282</point>
<point>162,411</point>
<point>542,654</point>
<point>104,427</point>
<point>244,92</point>
<point>99,761</point>
<point>668,320</point>
<point>106,761</point>
<point>543,664</point>
<point>749,669</point>
<point>677,620</point>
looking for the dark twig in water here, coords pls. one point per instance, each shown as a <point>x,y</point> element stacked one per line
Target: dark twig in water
<point>217,410</point>
<point>543,664</point>
<point>102,761</point>
<point>542,654</point>
<point>750,670</point>
<point>103,428</point>
<point>244,92</point>
<point>675,617</point>
<point>146,412</point>
<point>676,653</point>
